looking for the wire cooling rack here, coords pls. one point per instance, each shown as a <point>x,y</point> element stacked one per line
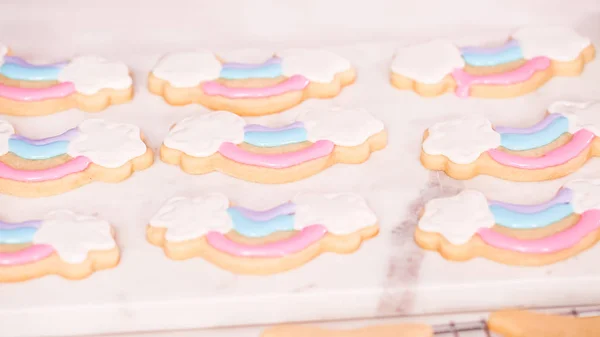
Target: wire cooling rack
<point>480,328</point>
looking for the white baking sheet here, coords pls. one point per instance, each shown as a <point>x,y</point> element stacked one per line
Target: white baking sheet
<point>388,276</point>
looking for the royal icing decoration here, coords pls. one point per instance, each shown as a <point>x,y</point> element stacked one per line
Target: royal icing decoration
<point>3,52</point>
<point>71,236</point>
<point>90,74</point>
<point>212,217</point>
<point>534,48</point>
<point>316,65</point>
<point>188,69</point>
<point>109,145</point>
<point>469,214</point>
<point>464,142</point>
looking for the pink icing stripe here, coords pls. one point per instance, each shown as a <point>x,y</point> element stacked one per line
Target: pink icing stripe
<point>37,94</point>
<point>464,81</point>
<point>589,222</point>
<point>298,242</point>
<point>76,165</point>
<point>28,255</point>
<point>294,83</point>
<point>580,141</point>
<point>319,149</point>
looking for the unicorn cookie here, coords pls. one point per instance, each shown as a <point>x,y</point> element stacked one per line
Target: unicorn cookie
<point>528,59</point>
<point>62,243</point>
<point>94,151</point>
<point>222,141</point>
<point>556,146</point>
<point>250,82</point>
<point>87,83</point>
<point>270,241</point>
<point>468,225</point>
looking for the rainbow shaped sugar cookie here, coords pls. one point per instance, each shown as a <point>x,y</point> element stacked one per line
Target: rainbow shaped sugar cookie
<point>250,82</point>
<point>528,59</point>
<point>556,146</point>
<point>96,150</point>
<point>222,141</point>
<point>249,241</point>
<point>468,225</point>
<point>63,243</point>
<point>88,83</point>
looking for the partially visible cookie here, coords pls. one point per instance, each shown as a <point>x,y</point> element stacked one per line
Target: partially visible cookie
<point>88,83</point>
<point>270,241</point>
<point>529,58</point>
<point>250,82</point>
<point>63,243</point>
<point>516,323</point>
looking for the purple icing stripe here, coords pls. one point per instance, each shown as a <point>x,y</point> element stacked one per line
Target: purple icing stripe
<point>563,196</point>
<point>22,63</point>
<point>489,50</point>
<point>66,136</point>
<point>28,255</point>
<point>283,209</point>
<point>262,128</point>
<point>236,65</point>
<point>532,129</point>
<point>31,223</point>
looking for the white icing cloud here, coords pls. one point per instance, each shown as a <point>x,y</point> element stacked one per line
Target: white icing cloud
<point>314,64</point>
<point>188,69</point>
<point>428,62</point>
<point>345,127</point>
<point>107,144</point>
<point>462,140</point>
<point>555,42</point>
<point>3,52</point>
<point>581,115</point>
<point>6,131</point>
<point>248,55</point>
<point>90,74</point>
<point>187,219</point>
<point>202,135</point>
<point>457,218</point>
<point>73,236</point>
<point>342,213</point>
<point>586,194</point>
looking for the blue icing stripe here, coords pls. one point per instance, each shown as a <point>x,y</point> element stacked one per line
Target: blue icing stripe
<point>516,220</point>
<point>30,151</point>
<point>17,235</point>
<point>257,229</point>
<point>275,138</point>
<point>40,73</point>
<point>266,71</point>
<point>527,141</point>
<point>484,60</point>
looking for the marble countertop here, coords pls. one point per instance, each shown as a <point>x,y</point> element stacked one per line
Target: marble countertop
<point>388,276</point>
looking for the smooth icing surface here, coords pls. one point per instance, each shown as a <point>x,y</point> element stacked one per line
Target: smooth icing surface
<point>60,90</point>
<point>319,149</point>
<point>107,144</point>
<point>345,127</point>
<point>340,213</point>
<point>249,227</point>
<point>56,172</point>
<point>315,64</point>
<point>294,83</point>
<point>202,135</point>
<point>190,218</point>
<point>73,236</point>
<point>586,194</point>
<point>3,52</point>
<point>29,72</point>
<point>427,62</point>
<point>555,42</point>
<point>6,131</point>
<point>237,71</point>
<point>30,254</point>
<point>36,152</point>
<point>276,138</point>
<point>246,55</point>
<point>543,218</point>
<point>457,218</point>
<point>90,74</point>
<point>579,142</point>
<point>589,222</point>
<point>581,115</point>
<point>524,141</point>
<point>464,80</point>
<point>296,243</point>
<point>17,235</point>
<point>563,196</point>
<point>541,125</point>
<point>462,140</point>
<point>486,57</point>
<point>284,209</point>
<point>188,69</point>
